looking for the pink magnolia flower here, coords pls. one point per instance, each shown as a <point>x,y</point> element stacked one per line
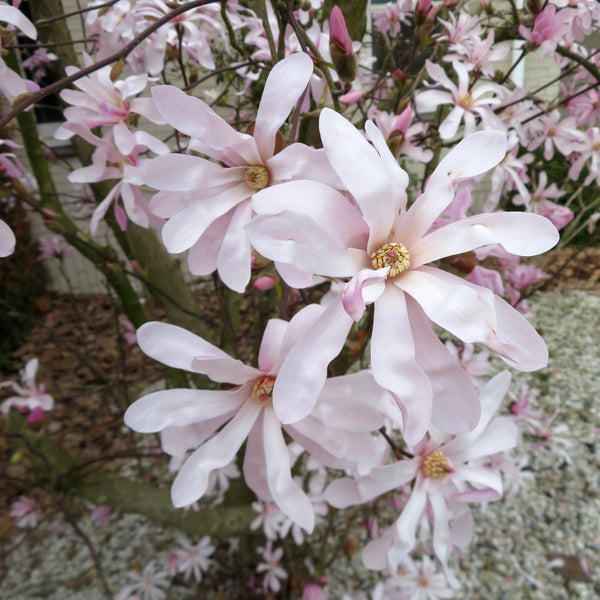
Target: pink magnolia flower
<point>273,572</point>
<point>336,432</point>
<point>419,580</point>
<point>385,253</point>
<point>445,476</point>
<point>30,395</point>
<point>55,247</point>
<point>150,584</point>
<point>7,240</point>
<point>548,29</point>
<point>25,511</point>
<point>103,101</point>
<point>467,102</point>
<point>210,216</point>
<point>194,559</point>
<point>12,85</point>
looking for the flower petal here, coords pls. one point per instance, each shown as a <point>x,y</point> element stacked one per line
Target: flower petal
<point>291,500</point>
<point>193,477</point>
<point>523,234</point>
<point>284,86</point>
<point>362,171</point>
<point>474,155</point>
<point>394,364</point>
<point>304,370</point>
<point>179,407</point>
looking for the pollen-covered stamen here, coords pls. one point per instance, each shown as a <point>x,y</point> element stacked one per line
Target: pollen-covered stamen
<point>263,389</point>
<point>437,465</point>
<point>465,100</point>
<point>393,255</point>
<point>257,177</point>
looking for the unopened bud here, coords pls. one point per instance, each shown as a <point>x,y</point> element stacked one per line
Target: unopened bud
<point>117,69</point>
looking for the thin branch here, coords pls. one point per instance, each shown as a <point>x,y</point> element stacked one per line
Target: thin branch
<point>44,22</point>
<point>121,54</point>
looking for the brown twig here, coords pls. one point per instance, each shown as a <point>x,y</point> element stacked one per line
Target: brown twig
<point>121,54</point>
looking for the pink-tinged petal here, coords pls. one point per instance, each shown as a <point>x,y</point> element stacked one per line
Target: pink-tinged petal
<point>185,228</point>
<point>213,136</point>
<point>174,346</point>
<point>284,86</point>
<point>193,477</point>
<point>364,288</point>
<point>465,310</point>
<point>484,495</point>
<point>474,155</point>
<point>168,204</point>
<point>519,344</point>
<point>254,467</point>
<point>101,209</point>
<point>202,257</point>
<point>456,407</point>
<point>491,396</point>
<point>176,441</point>
<point>12,15</point>
<point>449,126</point>
<point>294,277</point>
<point>233,261</point>
<point>462,525</point>
<point>177,408</point>
<point>303,242</point>
<point>270,346</point>
<point>290,499</point>
<point>304,371</point>
<point>480,477</point>
<point>394,363</point>
<point>432,99</point>
<point>7,240</point>
<point>500,435</point>
<point>523,234</point>
<point>301,324</point>
<point>397,175</point>
<point>225,370</point>
<point>324,205</point>
<point>299,161</point>
<point>350,403</point>
<point>344,492</point>
<point>375,553</point>
<point>362,171</point>
<point>407,522</point>
<point>442,541</point>
<point>183,172</point>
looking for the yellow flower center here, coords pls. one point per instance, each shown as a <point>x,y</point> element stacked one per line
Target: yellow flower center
<point>465,100</point>
<point>436,465</point>
<point>257,177</point>
<point>393,255</point>
<point>263,389</point>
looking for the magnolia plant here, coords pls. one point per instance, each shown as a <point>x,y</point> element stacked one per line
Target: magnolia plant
<point>375,207</point>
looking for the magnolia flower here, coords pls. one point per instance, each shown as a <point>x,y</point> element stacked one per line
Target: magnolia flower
<point>25,511</point>
<point>209,219</point>
<point>385,253</point>
<point>7,240</point>
<point>467,102</point>
<point>194,559</point>
<point>30,394</point>
<point>445,475</point>
<point>271,568</point>
<point>336,432</point>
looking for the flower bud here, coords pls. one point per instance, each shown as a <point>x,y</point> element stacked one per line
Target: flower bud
<point>340,47</point>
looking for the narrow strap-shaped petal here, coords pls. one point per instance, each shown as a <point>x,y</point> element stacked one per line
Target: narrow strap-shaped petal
<point>192,480</point>
<point>362,171</point>
<point>394,363</point>
<point>304,371</point>
<point>290,499</point>
<point>7,240</point>
<point>179,407</point>
<point>523,234</point>
<point>285,84</point>
<point>474,155</point>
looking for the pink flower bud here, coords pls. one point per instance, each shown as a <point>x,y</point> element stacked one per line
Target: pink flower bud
<point>352,97</point>
<point>264,283</point>
<point>338,32</point>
